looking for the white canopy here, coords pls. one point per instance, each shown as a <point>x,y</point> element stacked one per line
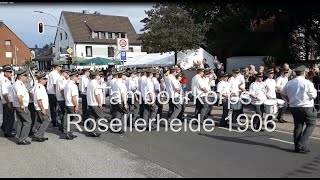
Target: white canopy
<point>185,59</point>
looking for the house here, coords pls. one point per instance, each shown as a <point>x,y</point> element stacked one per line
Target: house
<point>12,49</point>
<point>94,35</point>
<point>43,57</point>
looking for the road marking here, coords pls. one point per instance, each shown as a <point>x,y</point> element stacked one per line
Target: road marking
<point>285,132</point>
<point>281,140</point>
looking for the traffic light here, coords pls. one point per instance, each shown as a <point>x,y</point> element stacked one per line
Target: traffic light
<point>40,27</point>
<point>69,59</point>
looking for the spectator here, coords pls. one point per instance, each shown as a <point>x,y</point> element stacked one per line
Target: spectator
<point>286,67</point>
<point>183,82</point>
<point>205,63</point>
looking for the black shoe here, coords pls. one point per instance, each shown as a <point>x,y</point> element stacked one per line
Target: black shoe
<point>95,134</point>
<point>9,135</point>
<point>24,142</point>
<point>301,149</point>
<point>69,137</point>
<point>39,139</point>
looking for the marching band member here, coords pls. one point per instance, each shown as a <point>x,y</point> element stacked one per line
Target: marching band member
<point>94,98</point>
<point>201,89</point>
<point>271,85</point>
<point>51,88</point>
<point>71,95</point>
<point>83,83</point>
<point>280,83</point>
<point>206,78</point>
<point>142,89</point>
<point>150,108</point>
<point>257,91</point>
<point>157,90</point>
<point>30,87</point>
<point>41,103</point>
<point>61,83</point>
<point>235,83</point>
<point>133,101</point>
<point>300,93</point>
<point>112,90</point>
<point>223,89</point>
<point>20,104</point>
<point>200,73</point>
<point>6,98</point>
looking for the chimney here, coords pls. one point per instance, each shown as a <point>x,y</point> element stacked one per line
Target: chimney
<point>86,12</point>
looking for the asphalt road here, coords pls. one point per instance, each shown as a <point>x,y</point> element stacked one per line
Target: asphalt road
<point>220,153</point>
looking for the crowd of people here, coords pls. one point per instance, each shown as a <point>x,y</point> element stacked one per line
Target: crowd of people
<point>49,97</point>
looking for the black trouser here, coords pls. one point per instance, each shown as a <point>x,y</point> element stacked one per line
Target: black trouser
<point>23,123</point>
<point>62,106</point>
<point>34,117</point>
<point>133,108</point>
<point>96,113</point>
<point>203,108</point>
<point>8,119</point>
<point>225,112</point>
<point>141,109</point>
<point>301,116</point>
<point>120,113</point>
<point>176,108</point>
<point>282,110</point>
<point>70,110</point>
<point>259,110</point>
<point>183,107</point>
<point>150,112</point>
<point>160,107</point>
<point>44,122</point>
<point>84,105</point>
<point>53,108</point>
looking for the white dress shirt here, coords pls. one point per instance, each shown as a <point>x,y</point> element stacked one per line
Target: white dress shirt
<point>93,90</point>
<point>200,84</point>
<point>258,89</point>
<point>194,80</point>
<point>131,86</point>
<point>223,88</point>
<point>20,90</point>
<point>271,88</point>
<point>83,83</point>
<point>172,84</point>
<point>281,82</point>
<point>234,85</point>
<point>300,91</point>
<point>40,93</point>
<point>71,90</point>
<point>52,80</point>
<point>61,83</point>
<point>6,88</point>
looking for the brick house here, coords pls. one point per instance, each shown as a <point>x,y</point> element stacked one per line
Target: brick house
<point>12,49</point>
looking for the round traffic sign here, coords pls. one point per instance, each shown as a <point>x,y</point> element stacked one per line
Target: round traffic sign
<point>123,43</point>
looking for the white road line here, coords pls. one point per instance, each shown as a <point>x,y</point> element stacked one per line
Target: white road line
<point>285,132</point>
<point>281,140</point>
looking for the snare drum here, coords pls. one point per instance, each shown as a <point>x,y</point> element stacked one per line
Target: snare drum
<point>270,106</point>
<point>280,103</point>
<point>245,97</point>
<point>235,103</point>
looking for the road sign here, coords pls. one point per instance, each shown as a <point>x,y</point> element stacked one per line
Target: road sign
<point>123,55</point>
<point>123,43</point>
<point>69,50</point>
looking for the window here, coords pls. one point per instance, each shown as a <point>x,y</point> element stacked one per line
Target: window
<point>102,35</point>
<point>66,35</point>
<point>130,49</point>
<point>117,35</point>
<point>60,49</point>
<point>123,35</point>
<point>109,35</point>
<point>8,54</point>
<point>89,51</point>
<point>110,51</point>
<point>8,42</point>
<point>95,35</point>
<point>60,36</point>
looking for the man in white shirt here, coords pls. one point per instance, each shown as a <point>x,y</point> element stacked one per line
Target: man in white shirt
<point>201,90</point>
<point>94,98</point>
<point>71,95</point>
<point>61,83</point>
<point>133,101</point>
<point>6,99</point>
<point>150,107</point>
<point>142,89</point>
<point>271,85</point>
<point>157,90</point>
<point>300,93</point>
<point>121,107</point>
<point>280,83</point>
<point>194,80</point>
<point>112,89</point>
<point>173,88</point>
<point>20,104</point>
<point>41,104</point>
<point>223,90</point>
<point>51,88</point>
<point>83,83</point>
<point>237,85</point>
<point>30,84</point>
<point>257,91</point>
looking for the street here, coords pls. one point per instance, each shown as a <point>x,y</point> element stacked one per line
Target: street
<point>220,153</point>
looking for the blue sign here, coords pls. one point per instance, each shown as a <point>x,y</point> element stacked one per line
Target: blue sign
<point>123,55</point>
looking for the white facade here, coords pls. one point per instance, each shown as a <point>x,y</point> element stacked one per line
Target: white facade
<point>80,49</point>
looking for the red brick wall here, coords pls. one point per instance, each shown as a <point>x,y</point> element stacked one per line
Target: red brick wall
<point>23,51</point>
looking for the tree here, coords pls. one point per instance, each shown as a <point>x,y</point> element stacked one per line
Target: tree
<point>169,27</point>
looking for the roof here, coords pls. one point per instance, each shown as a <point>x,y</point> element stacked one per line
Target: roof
<point>42,53</point>
<point>81,26</point>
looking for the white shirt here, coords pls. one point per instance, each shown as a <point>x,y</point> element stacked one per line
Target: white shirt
<point>40,93</point>
<point>70,90</point>
<point>131,86</point>
<point>241,79</point>
<point>61,83</point>
<point>119,88</point>
<point>20,90</point>
<point>200,84</point>
<point>271,88</point>
<point>52,80</point>
<point>156,85</point>
<point>300,91</point>
<point>194,80</point>
<point>83,83</point>
<point>143,86</point>
<point>136,79</point>
<point>93,89</point>
<point>281,82</point>
<point>223,88</point>
<point>258,89</point>
<point>32,91</point>
<point>172,84</point>
<point>6,88</point>
<point>234,85</point>
<point>150,90</point>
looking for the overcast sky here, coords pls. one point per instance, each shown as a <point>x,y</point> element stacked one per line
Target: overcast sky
<point>22,20</point>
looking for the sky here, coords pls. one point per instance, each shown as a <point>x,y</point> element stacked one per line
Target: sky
<point>22,20</point>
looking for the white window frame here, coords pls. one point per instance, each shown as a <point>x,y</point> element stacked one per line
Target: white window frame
<point>87,51</point>
<point>9,42</point>
<point>8,54</point>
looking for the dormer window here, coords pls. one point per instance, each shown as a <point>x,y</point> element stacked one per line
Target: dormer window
<point>95,35</point>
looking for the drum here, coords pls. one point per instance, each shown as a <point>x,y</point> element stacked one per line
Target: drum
<point>270,106</point>
<point>245,97</point>
<point>280,103</point>
<point>235,103</point>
